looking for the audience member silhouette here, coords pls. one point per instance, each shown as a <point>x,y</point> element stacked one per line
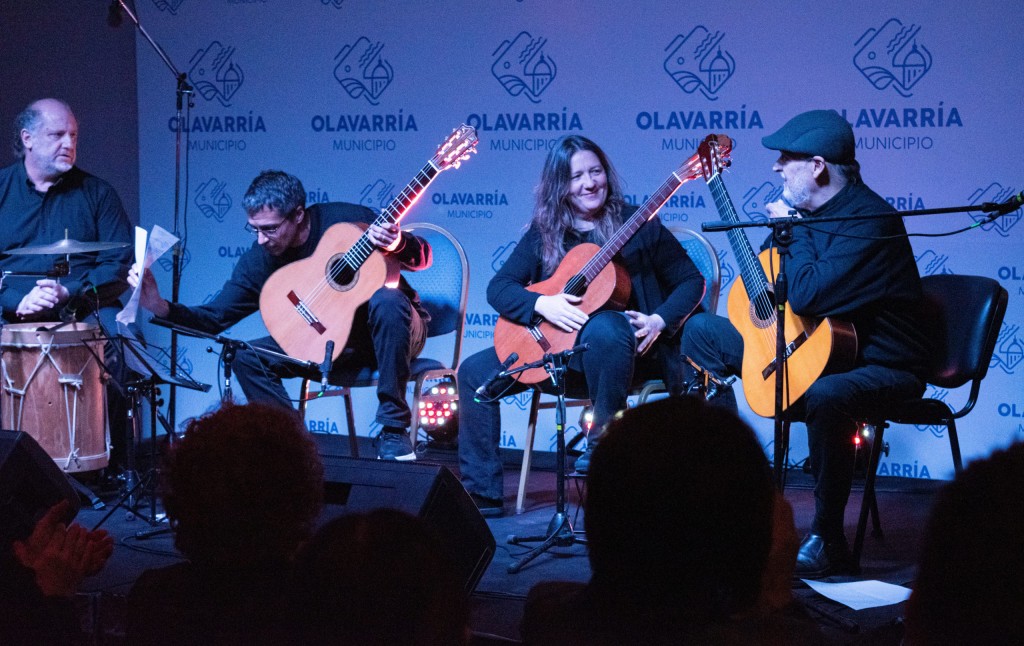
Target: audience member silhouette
<point>379,578</point>
<point>970,584</point>
<point>242,490</point>
<point>688,545</point>
<point>39,575</point>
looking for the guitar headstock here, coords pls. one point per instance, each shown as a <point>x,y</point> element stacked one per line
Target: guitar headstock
<point>715,155</point>
<point>456,148</point>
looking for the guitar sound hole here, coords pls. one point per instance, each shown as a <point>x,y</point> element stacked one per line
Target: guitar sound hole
<point>763,306</point>
<point>339,275</point>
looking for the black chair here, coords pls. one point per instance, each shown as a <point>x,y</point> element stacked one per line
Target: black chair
<point>966,313</point>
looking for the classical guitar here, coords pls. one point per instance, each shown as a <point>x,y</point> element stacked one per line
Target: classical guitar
<point>813,347</point>
<point>587,271</point>
<point>310,301</point>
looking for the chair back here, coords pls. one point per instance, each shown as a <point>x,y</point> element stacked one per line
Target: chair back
<point>966,313</point>
<point>703,254</point>
<point>444,286</point>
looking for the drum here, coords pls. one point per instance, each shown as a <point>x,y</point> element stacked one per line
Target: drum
<point>52,389</point>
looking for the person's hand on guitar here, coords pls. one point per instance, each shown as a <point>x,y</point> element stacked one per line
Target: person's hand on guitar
<point>386,238</point>
<point>560,310</point>
<point>648,328</point>
<point>149,296</point>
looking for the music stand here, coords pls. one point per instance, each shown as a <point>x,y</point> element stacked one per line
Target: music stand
<point>152,374</point>
<point>560,532</point>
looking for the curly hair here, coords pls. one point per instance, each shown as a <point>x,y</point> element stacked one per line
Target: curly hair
<point>244,485</point>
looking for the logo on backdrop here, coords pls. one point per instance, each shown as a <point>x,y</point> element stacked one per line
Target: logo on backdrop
<point>215,74</point>
<point>1009,349</point>
<point>212,200</point>
<point>521,400</point>
<point>167,264</point>
<point>362,71</point>
<point>932,263</point>
<point>755,201</point>
<point>500,255</point>
<point>727,273</point>
<point>377,195</point>
<point>333,3</point>
<point>697,61</point>
<point>170,6</point>
<point>995,192</point>
<point>522,67</point>
<point>891,56</point>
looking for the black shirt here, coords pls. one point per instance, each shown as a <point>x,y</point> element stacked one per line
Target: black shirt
<point>78,206</point>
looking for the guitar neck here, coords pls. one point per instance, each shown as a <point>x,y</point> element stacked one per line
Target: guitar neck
<point>578,284</point>
<point>392,214</point>
<point>751,270</point>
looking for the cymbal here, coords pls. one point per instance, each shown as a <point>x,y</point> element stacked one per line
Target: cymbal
<point>65,246</point>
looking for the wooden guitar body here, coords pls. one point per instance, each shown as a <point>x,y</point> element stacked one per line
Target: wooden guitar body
<point>311,301</point>
<point>609,290</point>
<point>325,305</point>
<point>814,347</point>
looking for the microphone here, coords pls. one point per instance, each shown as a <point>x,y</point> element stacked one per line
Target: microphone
<point>69,313</point>
<point>1002,208</point>
<point>114,17</point>
<point>482,393</point>
<point>325,367</point>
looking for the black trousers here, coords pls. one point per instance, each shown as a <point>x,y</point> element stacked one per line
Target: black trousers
<point>831,409</point>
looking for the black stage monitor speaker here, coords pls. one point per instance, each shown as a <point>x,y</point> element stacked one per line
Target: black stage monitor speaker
<point>30,483</point>
<point>429,491</point>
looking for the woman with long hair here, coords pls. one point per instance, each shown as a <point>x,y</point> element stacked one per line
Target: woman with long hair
<point>579,200</point>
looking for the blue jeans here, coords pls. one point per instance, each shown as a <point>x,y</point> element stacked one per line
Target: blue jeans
<point>604,374</point>
<point>387,333</point>
<point>831,409</point>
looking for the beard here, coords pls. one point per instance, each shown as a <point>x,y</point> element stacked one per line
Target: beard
<point>795,196</point>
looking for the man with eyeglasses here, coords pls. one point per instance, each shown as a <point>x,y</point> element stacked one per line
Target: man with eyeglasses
<point>386,334</point>
<point>859,271</point>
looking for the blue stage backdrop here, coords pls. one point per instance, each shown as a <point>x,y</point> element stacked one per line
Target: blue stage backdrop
<point>353,96</point>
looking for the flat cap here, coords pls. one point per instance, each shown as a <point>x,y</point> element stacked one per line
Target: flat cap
<point>822,133</point>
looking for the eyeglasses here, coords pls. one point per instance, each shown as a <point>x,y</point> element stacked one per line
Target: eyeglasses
<point>269,232</point>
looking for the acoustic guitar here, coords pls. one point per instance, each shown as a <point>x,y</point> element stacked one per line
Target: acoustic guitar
<point>587,271</point>
<point>310,301</point>
<point>814,347</point>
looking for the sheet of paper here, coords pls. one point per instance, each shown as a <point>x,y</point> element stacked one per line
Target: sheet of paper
<point>861,594</point>
<point>155,244</point>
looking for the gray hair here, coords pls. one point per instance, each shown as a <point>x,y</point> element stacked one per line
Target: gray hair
<point>277,190</point>
<point>28,119</point>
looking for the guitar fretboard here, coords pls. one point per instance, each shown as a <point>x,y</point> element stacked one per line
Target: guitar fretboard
<point>754,278</point>
<point>577,285</point>
<point>394,212</point>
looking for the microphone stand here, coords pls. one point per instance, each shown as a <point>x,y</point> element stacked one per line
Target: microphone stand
<point>183,90</point>
<point>782,233</point>
<point>560,532</point>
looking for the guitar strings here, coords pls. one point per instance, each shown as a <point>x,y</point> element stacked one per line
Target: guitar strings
<point>754,279</point>
<point>361,250</point>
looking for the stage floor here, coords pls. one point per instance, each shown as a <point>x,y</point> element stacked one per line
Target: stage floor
<point>497,602</point>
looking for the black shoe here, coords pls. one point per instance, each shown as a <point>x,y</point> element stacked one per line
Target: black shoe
<point>818,558</point>
<point>394,444</point>
<point>583,462</point>
<point>489,507</point>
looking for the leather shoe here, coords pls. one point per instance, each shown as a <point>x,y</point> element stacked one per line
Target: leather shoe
<point>818,558</point>
<point>489,507</point>
<point>582,464</point>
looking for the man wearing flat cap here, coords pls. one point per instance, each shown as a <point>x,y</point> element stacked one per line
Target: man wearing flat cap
<point>859,271</point>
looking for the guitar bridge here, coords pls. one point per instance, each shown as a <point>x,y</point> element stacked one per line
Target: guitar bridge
<point>305,313</point>
<point>769,370</point>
